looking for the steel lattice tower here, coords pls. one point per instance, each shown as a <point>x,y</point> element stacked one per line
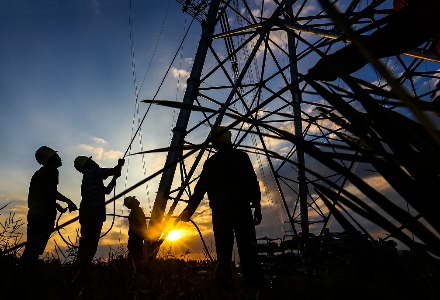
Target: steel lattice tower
<point>259,52</point>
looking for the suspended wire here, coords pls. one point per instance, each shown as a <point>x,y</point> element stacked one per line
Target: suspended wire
<point>140,122</point>
<point>160,86</point>
<point>136,110</point>
<point>137,92</point>
<point>251,80</point>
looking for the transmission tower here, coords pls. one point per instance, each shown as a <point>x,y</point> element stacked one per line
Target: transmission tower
<point>259,52</point>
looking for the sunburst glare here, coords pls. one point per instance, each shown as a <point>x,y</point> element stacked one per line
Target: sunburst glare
<point>175,235</point>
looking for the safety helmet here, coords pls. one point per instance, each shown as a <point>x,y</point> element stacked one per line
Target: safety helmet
<point>43,154</point>
<point>128,201</point>
<point>80,162</point>
<point>223,138</point>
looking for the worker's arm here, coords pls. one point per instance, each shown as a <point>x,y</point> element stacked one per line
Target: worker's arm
<point>255,192</point>
<point>72,206</point>
<point>195,199</point>
<point>60,208</point>
<point>116,172</point>
<point>108,189</point>
<point>256,202</point>
<point>257,215</point>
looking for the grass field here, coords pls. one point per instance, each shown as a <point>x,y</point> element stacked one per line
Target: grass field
<point>173,278</point>
<point>366,271</point>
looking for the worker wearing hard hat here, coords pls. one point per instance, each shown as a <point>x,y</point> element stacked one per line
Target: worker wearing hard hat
<point>92,212</point>
<point>232,186</point>
<point>137,232</point>
<point>43,194</point>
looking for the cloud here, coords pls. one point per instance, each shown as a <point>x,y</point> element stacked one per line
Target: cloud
<point>112,155</point>
<point>99,153</point>
<point>95,151</point>
<point>181,75</point>
<point>99,140</point>
<point>189,60</point>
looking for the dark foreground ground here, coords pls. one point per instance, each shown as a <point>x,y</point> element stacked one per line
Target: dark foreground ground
<point>172,278</point>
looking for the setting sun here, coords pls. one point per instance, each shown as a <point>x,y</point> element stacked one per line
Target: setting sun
<point>174,235</point>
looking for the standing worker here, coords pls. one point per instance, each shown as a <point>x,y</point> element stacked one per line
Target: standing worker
<point>42,204</point>
<point>137,232</point>
<point>232,186</point>
<point>92,208</point>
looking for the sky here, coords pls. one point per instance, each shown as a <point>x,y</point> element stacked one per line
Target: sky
<point>66,81</point>
<point>69,75</point>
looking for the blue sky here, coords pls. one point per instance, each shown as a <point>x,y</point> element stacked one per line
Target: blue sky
<point>66,81</point>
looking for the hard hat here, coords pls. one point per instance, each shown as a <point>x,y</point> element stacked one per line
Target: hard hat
<point>223,138</point>
<point>128,201</point>
<point>43,154</point>
<point>80,162</point>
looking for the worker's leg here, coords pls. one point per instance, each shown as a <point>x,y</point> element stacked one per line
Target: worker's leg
<point>38,232</point>
<point>88,242</point>
<point>136,252</point>
<point>224,241</point>
<point>247,249</point>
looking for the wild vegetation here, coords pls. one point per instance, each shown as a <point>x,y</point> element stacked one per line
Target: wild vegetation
<point>353,273</point>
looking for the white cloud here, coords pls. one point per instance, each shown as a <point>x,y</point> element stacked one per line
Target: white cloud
<point>99,140</point>
<point>189,61</point>
<point>181,74</point>
<point>99,153</point>
<point>112,155</point>
<point>96,152</point>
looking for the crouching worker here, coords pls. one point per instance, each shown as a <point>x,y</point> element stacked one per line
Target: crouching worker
<point>137,232</point>
<point>42,204</point>
<point>92,208</point>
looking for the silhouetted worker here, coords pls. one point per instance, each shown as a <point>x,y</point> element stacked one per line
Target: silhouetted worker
<point>413,23</point>
<point>92,208</point>
<point>42,204</point>
<point>232,186</point>
<point>137,232</point>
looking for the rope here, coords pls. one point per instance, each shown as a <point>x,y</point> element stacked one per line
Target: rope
<point>172,164</point>
<point>60,234</point>
<point>133,69</point>
<point>137,93</point>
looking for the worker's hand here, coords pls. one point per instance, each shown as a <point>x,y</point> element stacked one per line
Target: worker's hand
<point>257,215</point>
<point>60,208</point>
<point>72,206</point>
<point>117,171</point>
